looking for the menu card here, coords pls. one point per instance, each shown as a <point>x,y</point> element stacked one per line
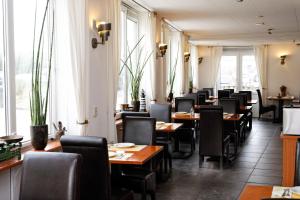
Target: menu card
<point>286,192</point>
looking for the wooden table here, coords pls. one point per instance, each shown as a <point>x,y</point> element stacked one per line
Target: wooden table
<point>210,101</point>
<point>288,159</point>
<point>196,116</point>
<point>245,108</point>
<point>252,101</point>
<point>256,192</point>
<point>171,128</point>
<point>139,157</point>
<point>281,101</point>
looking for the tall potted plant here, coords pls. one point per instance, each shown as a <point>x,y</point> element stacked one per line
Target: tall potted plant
<point>172,76</point>
<point>39,97</point>
<point>136,71</point>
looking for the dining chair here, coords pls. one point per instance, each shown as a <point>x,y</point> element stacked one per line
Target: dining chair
<point>162,112</point>
<point>206,92</point>
<point>264,109</point>
<point>231,91</point>
<point>186,133</point>
<point>95,175</point>
<point>249,95</point>
<point>192,96</point>
<point>141,130</point>
<point>50,176</point>
<point>223,93</point>
<point>201,99</point>
<point>297,168</point>
<point>213,141</point>
<point>211,91</point>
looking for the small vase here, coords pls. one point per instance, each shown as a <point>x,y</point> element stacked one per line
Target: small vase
<point>39,136</point>
<point>135,106</point>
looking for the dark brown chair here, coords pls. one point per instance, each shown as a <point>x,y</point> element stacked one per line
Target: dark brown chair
<point>223,93</point>
<point>192,96</point>
<point>264,109</point>
<point>213,141</point>
<point>211,91</point>
<point>249,96</point>
<point>206,92</point>
<point>95,176</point>
<point>50,176</point>
<point>231,91</point>
<point>201,99</point>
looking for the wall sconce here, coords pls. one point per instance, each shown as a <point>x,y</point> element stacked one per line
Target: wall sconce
<point>186,56</point>
<point>162,48</point>
<point>282,59</point>
<point>103,30</point>
<point>200,59</point>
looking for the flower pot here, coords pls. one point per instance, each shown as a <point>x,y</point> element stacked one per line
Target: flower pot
<point>170,97</point>
<point>39,136</point>
<point>135,106</point>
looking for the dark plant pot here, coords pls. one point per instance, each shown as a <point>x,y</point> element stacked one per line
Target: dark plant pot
<point>136,106</point>
<point>190,90</point>
<point>39,136</point>
<point>170,97</point>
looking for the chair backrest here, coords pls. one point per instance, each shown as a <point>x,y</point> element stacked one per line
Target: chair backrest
<point>49,176</point>
<point>211,91</point>
<point>201,99</point>
<point>161,112</point>
<point>139,130</point>
<point>241,97</point>
<point>95,176</point>
<point>211,129</point>
<point>230,105</point>
<point>231,91</point>
<point>135,114</point>
<point>192,96</point>
<point>297,168</point>
<point>184,104</point>
<point>223,93</point>
<point>248,93</point>
<point>259,100</point>
<point>206,92</point>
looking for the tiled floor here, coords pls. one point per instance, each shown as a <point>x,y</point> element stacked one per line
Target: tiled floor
<point>259,162</point>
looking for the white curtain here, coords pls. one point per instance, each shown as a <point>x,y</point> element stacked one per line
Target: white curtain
<point>194,66</point>
<point>261,55</point>
<point>147,29</point>
<point>216,55</point>
<point>113,59</point>
<point>180,74</point>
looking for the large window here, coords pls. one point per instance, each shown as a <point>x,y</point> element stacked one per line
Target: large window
<point>238,71</point>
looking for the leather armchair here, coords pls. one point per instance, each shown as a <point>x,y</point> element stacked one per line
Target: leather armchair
<point>50,176</point>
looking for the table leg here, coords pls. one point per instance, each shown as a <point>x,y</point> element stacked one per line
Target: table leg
<point>280,111</point>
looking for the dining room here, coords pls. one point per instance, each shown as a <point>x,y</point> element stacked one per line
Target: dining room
<point>149,99</point>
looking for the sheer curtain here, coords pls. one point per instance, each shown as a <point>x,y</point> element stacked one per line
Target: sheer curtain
<point>147,28</point>
<point>113,59</point>
<point>194,66</point>
<point>180,74</point>
<point>261,53</point>
<point>216,55</point>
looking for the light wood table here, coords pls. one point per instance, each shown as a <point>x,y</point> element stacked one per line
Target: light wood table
<point>196,116</point>
<point>168,127</point>
<point>288,159</point>
<point>252,101</point>
<point>139,157</point>
<point>281,101</point>
<point>256,192</point>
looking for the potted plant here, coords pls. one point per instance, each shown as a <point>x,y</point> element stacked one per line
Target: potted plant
<point>190,86</point>
<point>38,96</point>
<point>171,76</point>
<point>136,71</point>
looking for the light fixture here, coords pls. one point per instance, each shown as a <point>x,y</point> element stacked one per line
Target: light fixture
<point>282,59</point>
<point>260,24</point>
<point>186,56</point>
<point>103,29</point>
<point>162,48</point>
<point>200,59</point>
<point>270,31</point>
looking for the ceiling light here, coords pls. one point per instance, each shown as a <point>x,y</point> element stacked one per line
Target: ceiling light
<point>239,0</point>
<point>260,24</point>
<point>270,31</point>
<point>260,16</point>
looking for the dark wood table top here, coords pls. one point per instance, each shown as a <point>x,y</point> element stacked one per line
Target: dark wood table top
<point>286,98</point>
<point>139,157</point>
<point>256,192</point>
<point>196,116</point>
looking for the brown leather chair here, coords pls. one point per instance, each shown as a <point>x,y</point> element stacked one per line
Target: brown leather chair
<point>95,176</point>
<point>50,176</point>
<point>223,93</point>
<point>264,109</point>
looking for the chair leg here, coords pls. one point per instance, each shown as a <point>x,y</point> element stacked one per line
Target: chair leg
<point>221,162</point>
<point>153,195</point>
<point>201,160</point>
<point>170,162</point>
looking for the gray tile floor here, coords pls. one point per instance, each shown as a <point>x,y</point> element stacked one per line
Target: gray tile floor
<point>259,162</point>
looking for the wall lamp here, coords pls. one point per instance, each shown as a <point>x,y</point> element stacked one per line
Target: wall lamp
<point>282,59</point>
<point>200,59</point>
<point>186,56</point>
<point>162,48</point>
<point>103,29</point>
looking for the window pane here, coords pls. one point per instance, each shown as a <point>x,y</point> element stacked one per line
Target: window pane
<point>24,18</point>
<point>2,88</point>
<point>249,73</point>
<point>228,72</point>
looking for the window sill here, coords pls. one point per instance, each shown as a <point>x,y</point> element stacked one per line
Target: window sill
<point>7,164</point>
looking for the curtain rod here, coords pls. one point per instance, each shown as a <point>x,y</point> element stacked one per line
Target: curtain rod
<point>170,24</point>
<point>142,6</point>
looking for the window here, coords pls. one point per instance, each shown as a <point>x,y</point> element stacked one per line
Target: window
<point>238,71</point>
<point>129,37</point>
<point>2,73</point>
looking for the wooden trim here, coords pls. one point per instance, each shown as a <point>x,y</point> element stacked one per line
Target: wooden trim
<point>256,192</point>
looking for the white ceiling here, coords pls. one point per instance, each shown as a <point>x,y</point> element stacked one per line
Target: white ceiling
<point>228,22</point>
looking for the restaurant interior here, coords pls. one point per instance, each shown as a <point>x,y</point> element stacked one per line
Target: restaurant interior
<point>149,99</point>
